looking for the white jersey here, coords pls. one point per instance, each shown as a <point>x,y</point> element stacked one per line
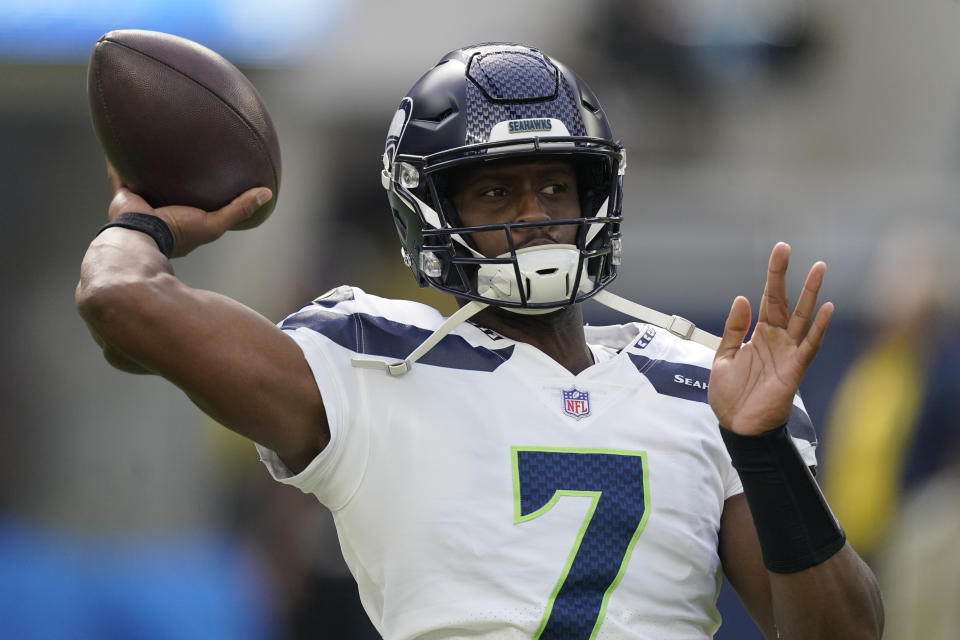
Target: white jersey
<point>490,493</point>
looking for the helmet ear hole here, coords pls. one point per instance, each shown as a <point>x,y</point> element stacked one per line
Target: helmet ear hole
<point>444,185</point>
<point>593,180</point>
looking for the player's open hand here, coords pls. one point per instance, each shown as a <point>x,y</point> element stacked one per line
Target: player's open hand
<point>752,386</point>
<point>191,227</point>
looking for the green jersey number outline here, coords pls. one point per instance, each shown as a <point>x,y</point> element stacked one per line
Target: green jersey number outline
<point>617,483</point>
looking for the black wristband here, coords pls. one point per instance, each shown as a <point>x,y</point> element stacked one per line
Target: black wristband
<point>795,526</point>
<point>150,225</point>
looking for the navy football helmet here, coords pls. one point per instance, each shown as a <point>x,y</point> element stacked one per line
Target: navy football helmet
<point>490,102</point>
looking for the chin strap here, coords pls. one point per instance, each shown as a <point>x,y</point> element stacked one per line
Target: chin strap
<point>674,324</point>
<point>400,367</point>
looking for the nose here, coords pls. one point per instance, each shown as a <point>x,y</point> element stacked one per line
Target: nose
<point>529,207</point>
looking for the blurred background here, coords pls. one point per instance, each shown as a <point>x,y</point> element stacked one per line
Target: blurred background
<point>835,126</point>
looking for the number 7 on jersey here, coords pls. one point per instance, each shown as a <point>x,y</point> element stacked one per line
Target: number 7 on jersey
<point>616,482</point>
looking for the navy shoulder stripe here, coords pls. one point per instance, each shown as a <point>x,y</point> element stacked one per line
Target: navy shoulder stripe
<point>377,336</point>
<point>685,381</point>
<point>689,382</point>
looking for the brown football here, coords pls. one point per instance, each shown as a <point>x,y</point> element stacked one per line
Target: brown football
<point>180,123</point>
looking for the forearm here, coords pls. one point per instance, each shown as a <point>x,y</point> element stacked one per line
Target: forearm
<point>818,586</point>
<point>838,598</point>
<point>140,312</point>
<point>232,362</point>
<point>116,275</point>
<point>119,281</point>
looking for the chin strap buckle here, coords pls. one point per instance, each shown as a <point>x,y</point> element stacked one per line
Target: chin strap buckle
<point>680,327</point>
<point>396,368</point>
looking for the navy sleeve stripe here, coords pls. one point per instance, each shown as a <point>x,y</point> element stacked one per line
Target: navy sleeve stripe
<point>689,382</point>
<point>377,336</point>
<point>800,426</point>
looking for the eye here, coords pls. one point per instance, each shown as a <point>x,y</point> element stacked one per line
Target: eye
<point>495,192</point>
<point>554,189</point>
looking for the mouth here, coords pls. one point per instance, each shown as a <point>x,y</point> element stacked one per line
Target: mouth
<point>538,241</point>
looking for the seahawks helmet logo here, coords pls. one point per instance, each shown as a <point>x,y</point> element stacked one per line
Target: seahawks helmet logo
<point>397,126</point>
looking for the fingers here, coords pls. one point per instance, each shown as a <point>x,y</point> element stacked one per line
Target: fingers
<point>125,201</point>
<point>811,343</point>
<point>774,305</point>
<point>241,208</point>
<point>735,329</point>
<point>806,304</point>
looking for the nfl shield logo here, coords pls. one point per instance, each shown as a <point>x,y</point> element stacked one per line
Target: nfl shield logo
<point>576,404</point>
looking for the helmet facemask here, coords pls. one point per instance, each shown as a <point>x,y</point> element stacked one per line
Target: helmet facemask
<point>527,280</point>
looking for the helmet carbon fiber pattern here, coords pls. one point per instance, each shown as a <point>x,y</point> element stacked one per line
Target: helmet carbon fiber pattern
<point>513,76</point>
<point>482,114</point>
<point>485,103</point>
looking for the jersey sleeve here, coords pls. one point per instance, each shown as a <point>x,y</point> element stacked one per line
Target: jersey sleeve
<point>731,480</point>
<point>804,435</point>
<point>334,475</point>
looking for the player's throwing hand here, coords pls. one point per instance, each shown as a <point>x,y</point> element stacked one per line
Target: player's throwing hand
<point>190,226</point>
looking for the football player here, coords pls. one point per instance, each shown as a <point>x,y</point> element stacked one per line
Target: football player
<point>508,472</point>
